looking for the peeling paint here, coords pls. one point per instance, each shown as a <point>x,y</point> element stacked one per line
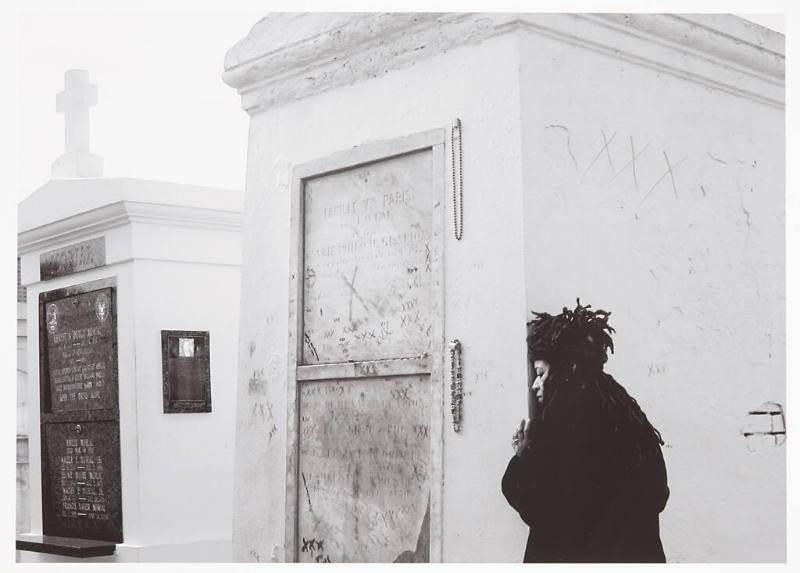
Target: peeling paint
<point>421,553</point>
<point>257,411</point>
<point>311,346</point>
<point>308,494</point>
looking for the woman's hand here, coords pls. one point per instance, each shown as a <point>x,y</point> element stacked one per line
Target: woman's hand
<point>522,437</point>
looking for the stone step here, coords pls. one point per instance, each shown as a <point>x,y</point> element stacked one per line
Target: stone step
<point>70,546</point>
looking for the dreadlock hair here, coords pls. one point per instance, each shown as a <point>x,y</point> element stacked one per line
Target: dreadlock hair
<point>578,335</point>
<point>575,343</point>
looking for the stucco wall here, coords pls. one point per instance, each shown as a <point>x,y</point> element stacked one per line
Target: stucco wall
<point>693,271</point>
<point>691,264</point>
<point>483,276</point>
<point>185,460</point>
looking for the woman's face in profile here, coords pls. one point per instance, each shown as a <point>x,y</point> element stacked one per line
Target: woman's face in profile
<point>541,371</point>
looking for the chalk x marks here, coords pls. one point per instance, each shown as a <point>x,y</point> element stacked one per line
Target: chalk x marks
<point>315,548</point>
<point>631,162</point>
<point>604,148</point>
<point>670,171</point>
<point>353,292</point>
<point>671,174</point>
<point>606,143</point>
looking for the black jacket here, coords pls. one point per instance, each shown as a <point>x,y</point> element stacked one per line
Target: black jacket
<point>591,485</point>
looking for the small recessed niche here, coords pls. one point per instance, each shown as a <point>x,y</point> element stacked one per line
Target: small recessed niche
<point>186,372</point>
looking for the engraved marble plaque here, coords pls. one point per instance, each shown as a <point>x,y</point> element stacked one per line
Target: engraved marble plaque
<point>364,470</point>
<point>367,261</point>
<point>82,497</point>
<point>79,409</point>
<point>79,332</point>
<point>73,258</point>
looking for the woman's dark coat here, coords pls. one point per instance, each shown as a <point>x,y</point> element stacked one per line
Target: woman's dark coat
<point>591,484</point>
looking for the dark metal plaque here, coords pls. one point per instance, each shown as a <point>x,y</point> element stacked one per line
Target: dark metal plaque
<point>80,352</point>
<point>73,259</point>
<point>82,497</point>
<point>186,371</point>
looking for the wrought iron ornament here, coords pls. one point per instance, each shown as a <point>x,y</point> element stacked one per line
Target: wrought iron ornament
<point>456,384</point>
<point>458,180</point>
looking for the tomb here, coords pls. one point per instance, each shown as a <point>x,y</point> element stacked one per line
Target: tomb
<point>79,411</point>
<point>419,183</point>
<point>130,442</point>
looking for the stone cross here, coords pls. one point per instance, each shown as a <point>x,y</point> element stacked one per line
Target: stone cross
<point>74,102</point>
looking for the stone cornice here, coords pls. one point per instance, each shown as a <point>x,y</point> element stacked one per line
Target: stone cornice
<point>287,57</point>
<point>728,38</point>
<point>121,213</point>
<point>684,46</point>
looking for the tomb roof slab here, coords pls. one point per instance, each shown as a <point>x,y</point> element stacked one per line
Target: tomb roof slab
<point>287,57</point>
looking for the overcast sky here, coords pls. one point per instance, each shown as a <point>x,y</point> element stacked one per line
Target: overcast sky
<point>163,112</point>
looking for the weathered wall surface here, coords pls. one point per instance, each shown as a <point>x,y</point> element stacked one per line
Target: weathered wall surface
<point>674,242</point>
<point>662,200</point>
<point>483,277</point>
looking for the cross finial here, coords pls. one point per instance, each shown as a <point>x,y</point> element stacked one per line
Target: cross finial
<point>74,102</point>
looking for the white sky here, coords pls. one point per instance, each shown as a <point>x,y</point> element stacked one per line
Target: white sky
<point>163,112</point>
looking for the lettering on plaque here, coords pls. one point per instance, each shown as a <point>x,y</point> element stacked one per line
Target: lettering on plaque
<point>73,258</point>
<point>364,469</point>
<point>80,351</point>
<point>79,409</point>
<point>367,261</point>
<point>83,496</point>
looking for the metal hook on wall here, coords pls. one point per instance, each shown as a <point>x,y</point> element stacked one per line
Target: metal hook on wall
<point>456,383</point>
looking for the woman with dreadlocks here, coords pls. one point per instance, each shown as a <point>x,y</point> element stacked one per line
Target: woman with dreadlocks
<point>588,476</point>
